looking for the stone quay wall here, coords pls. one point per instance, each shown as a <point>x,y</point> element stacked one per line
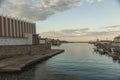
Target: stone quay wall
<point>20,50</point>
<point>115,44</point>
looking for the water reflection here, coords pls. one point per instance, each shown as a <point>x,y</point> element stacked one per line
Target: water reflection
<point>115,57</point>
<point>25,75</point>
<point>77,63</point>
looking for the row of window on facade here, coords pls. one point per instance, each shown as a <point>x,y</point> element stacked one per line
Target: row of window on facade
<point>11,27</point>
<point>117,39</point>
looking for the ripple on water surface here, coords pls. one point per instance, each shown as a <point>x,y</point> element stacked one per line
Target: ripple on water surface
<point>78,62</point>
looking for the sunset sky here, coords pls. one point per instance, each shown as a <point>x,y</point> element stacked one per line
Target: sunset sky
<point>88,21</point>
<point>72,20</point>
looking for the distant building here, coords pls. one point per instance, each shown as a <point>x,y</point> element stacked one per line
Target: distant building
<point>42,40</point>
<point>56,42</point>
<point>116,41</point>
<point>17,32</point>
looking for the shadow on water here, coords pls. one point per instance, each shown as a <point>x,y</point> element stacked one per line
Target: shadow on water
<point>77,63</point>
<point>114,57</point>
<point>37,71</point>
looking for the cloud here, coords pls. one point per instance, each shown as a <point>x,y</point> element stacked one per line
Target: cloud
<point>102,33</point>
<point>114,26</point>
<point>65,33</point>
<point>37,9</point>
<point>119,1</point>
<point>81,34</point>
<point>92,1</point>
<point>1,1</point>
<point>99,0</point>
<point>74,31</point>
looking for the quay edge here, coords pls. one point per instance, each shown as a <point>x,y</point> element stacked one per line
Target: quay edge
<point>25,62</point>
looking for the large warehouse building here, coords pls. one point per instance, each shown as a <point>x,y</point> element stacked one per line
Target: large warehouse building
<point>11,27</point>
<point>17,32</point>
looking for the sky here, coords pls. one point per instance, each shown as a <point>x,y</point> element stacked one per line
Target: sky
<point>71,20</point>
<point>97,14</point>
<point>99,18</point>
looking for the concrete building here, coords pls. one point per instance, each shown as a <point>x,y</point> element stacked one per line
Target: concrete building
<point>56,42</point>
<point>17,32</point>
<point>42,40</point>
<point>116,41</point>
<point>19,41</point>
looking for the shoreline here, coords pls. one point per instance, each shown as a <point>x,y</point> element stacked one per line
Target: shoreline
<point>19,63</point>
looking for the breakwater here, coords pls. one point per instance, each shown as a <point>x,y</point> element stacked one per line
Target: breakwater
<point>15,58</point>
<point>18,50</point>
<point>78,62</point>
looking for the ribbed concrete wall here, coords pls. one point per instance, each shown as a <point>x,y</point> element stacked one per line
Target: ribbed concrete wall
<point>11,51</point>
<point>10,27</point>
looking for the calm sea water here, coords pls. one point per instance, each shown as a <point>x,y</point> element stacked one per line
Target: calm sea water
<point>78,62</point>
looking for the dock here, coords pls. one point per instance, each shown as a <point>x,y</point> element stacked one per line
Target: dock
<point>18,63</point>
<point>110,50</point>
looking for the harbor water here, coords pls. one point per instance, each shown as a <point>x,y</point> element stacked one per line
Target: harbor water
<point>78,62</point>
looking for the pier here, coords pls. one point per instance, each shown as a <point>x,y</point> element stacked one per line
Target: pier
<point>111,50</point>
<point>18,63</point>
<point>21,46</point>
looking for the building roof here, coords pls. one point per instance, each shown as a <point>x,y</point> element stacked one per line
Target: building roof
<point>118,37</point>
<point>16,18</point>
